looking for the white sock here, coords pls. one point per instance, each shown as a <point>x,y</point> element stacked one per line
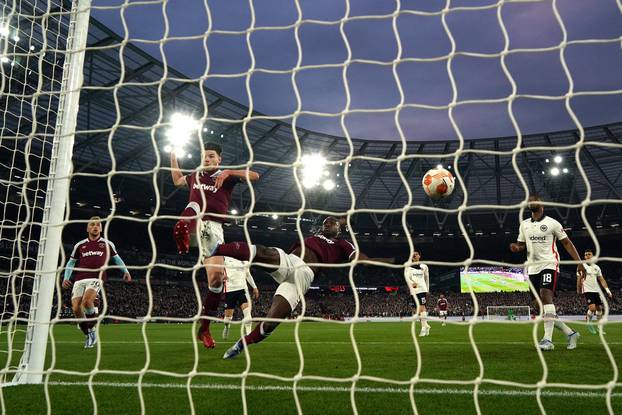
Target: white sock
<point>423,317</point>
<point>590,314</point>
<point>228,321</point>
<point>549,321</point>
<point>216,290</point>
<point>247,316</point>
<point>599,314</point>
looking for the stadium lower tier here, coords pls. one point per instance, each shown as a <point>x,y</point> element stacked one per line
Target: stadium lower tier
<point>179,300</point>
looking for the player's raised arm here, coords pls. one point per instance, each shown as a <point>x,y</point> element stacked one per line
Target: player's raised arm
<point>178,177</point>
<point>220,180</point>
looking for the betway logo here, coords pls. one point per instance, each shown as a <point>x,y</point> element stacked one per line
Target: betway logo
<point>537,238</point>
<point>93,253</point>
<point>328,241</point>
<point>207,187</point>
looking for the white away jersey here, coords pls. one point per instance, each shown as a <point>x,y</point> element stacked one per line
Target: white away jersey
<point>417,274</point>
<point>237,275</point>
<point>541,239</point>
<point>590,283</point>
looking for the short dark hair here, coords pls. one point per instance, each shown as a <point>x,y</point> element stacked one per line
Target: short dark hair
<point>210,145</point>
<point>588,250</point>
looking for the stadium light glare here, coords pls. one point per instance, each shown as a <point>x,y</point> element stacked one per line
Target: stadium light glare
<point>558,159</point>
<point>328,185</point>
<point>168,148</point>
<point>32,47</point>
<point>4,59</point>
<point>4,31</point>
<point>275,216</point>
<point>554,171</point>
<point>439,166</point>
<point>546,160</point>
<point>565,170</point>
<point>234,211</point>
<point>182,126</point>
<point>16,38</point>
<point>312,170</point>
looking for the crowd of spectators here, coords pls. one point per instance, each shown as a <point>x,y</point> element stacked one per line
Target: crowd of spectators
<point>180,301</point>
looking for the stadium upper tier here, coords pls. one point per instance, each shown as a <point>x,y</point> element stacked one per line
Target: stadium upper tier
<point>128,97</point>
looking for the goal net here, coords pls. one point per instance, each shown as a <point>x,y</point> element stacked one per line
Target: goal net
<point>509,313</point>
<point>96,95</point>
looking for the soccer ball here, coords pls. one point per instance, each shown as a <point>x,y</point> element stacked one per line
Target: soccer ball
<point>438,183</point>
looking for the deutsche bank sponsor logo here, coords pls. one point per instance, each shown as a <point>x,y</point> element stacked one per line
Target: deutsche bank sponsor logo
<point>543,228</point>
<point>534,238</point>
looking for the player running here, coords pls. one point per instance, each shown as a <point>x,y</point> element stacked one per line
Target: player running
<point>236,293</point>
<point>418,280</point>
<point>588,286</point>
<point>442,305</point>
<point>210,193</point>
<point>293,272</point>
<point>539,235</point>
<point>92,254</point>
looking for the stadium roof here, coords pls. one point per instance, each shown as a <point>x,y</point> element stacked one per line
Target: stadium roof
<point>126,103</point>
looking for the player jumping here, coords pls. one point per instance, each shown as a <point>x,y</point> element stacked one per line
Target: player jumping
<point>539,235</point>
<point>293,273</point>
<point>91,253</point>
<point>236,293</point>
<point>418,280</point>
<point>589,287</point>
<point>210,193</point>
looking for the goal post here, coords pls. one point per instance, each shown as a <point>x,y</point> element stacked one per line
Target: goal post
<point>509,313</point>
<point>31,367</point>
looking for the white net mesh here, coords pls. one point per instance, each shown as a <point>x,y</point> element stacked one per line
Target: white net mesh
<point>137,75</point>
<point>33,40</point>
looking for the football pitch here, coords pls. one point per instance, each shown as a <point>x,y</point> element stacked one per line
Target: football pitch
<point>388,361</point>
<point>486,282</point>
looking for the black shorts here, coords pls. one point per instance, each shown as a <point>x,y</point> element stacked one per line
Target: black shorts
<point>593,298</point>
<point>234,299</point>
<point>422,299</point>
<point>547,278</point>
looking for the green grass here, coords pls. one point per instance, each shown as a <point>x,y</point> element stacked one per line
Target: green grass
<point>386,351</point>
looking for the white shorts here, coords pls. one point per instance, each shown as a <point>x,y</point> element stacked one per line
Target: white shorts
<point>211,235</point>
<point>442,313</point>
<point>79,287</point>
<point>294,277</point>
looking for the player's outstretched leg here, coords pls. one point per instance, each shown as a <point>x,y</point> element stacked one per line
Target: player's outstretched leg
<point>279,309</point>
<point>552,321</point>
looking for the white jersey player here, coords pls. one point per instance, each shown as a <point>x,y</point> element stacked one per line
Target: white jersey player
<point>418,281</point>
<point>590,288</point>
<point>539,235</point>
<point>237,276</point>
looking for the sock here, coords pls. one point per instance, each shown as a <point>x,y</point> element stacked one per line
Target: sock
<point>257,335</point>
<point>237,250</point>
<point>549,321</point>
<point>599,314</point>
<point>90,324</point>
<point>210,306</point>
<point>228,321</point>
<point>247,316</point>
<point>590,314</point>
<point>423,317</point>
<point>84,327</point>
<point>187,216</point>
